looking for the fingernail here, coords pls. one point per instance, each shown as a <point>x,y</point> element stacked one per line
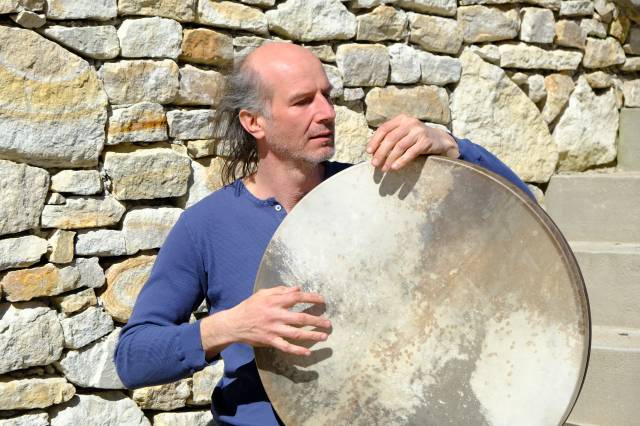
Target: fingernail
<point>374,162</point>
<point>368,150</point>
<point>395,165</point>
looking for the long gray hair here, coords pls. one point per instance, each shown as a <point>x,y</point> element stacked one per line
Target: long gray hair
<point>243,89</point>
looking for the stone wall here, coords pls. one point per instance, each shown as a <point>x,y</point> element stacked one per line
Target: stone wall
<point>105,137</point>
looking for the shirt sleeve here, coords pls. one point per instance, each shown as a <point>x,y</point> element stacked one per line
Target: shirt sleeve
<point>478,155</point>
<point>158,344</point>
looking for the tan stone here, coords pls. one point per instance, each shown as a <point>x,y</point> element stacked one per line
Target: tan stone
<point>83,212</point>
<point>324,52</point>
<point>100,10</point>
<point>55,198</point>
<point>430,7</point>
<point>24,189</point>
<point>435,34</point>
<point>27,19</point>
<point>312,20</point>
<point>203,383</point>
<point>163,397</point>
<point>143,122</point>
<point>48,280</point>
<point>559,88</point>
<point>429,103</point>
<point>180,10</point>
<point>603,53</point>
<point>124,282</point>
<point>81,182</point>
<point>599,80</point>
<point>204,46</point>
<point>75,302</point>
<point>351,136</point>
<point>146,228</point>
<point>480,23</point>
<point>30,419</point>
<point>184,418</point>
<point>576,8</point>
<point>593,27</point>
<point>226,14</point>
<point>202,148</point>
<point>20,252</point>
<point>199,87</point>
<point>570,34</point>
<point>206,178</point>
<point>363,64</point>
<point>382,23</point>
<point>61,246</point>
<point>132,81</point>
<point>537,25</point>
<point>23,394</point>
<point>631,64</point>
<point>631,90</point>
<point>532,57</point>
<point>620,28</point>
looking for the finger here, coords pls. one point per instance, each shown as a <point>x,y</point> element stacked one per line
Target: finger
<point>302,319</point>
<point>281,289</point>
<point>399,149</point>
<point>380,133</point>
<point>281,344</point>
<point>296,333</point>
<point>301,297</point>
<point>387,144</point>
<point>409,155</point>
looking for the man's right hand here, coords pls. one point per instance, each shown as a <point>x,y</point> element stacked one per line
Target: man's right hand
<point>264,319</point>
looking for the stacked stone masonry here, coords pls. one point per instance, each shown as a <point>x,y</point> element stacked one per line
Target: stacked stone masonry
<point>106,136</point>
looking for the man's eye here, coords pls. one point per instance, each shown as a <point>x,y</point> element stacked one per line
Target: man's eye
<point>303,101</point>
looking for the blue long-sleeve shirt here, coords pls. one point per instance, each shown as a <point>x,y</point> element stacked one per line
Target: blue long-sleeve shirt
<point>213,252</point>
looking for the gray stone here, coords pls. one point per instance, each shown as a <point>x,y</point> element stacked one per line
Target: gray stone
<point>55,198</point>
<point>199,87</point>
<point>631,64</point>
<point>558,87</point>
<point>537,25</point>
<point>165,397</point>
<point>605,9</point>
<point>24,189</point>
<point>351,135</point>
<point>204,46</point>
<point>146,228</point>
<point>489,52</point>
<point>405,68</point>
<point>23,394</point>
<point>632,47</point>
<point>259,3</point>
<point>439,70</point>
<point>225,14</point>
<point>434,33</point>
<point>143,122</point>
<point>628,142</point>
<point>61,246</point>
<point>29,20</point>
<point>83,212</point>
<point>98,42</point>
<point>104,408</point>
<point>31,419</point>
<point>184,418</point>
<point>383,23</point>
<point>324,52</point>
<point>191,124</point>
<point>518,78</point>
<point>30,335</point>
<point>180,10</point>
<point>124,282</point>
<point>576,8</point>
<point>203,382</point>
<point>85,327</point>
<point>431,7</point>
<point>100,242</point>
<point>128,82</point>
<point>75,302</point>
<point>368,4</point>
<point>535,88</point>
<point>21,251</point>
<point>202,148</point>
<point>593,27</point>
<point>570,34</point>
<point>428,103</point>
<point>312,20</point>
<point>631,90</point>
<point>363,64</point>
<point>488,108</point>
<point>480,23</point>
<point>603,53</point>
<point>586,132</point>
<point>146,173</point>
<point>335,78</point>
<point>532,57</point>
<point>205,178</point>
<point>93,365</point>
<point>100,10</point>
<point>600,80</point>
<point>81,182</point>
<point>619,28</point>
<point>59,121</point>
<point>135,34</point>
<point>91,273</point>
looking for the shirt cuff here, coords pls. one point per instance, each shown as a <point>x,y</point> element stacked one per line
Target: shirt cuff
<point>189,347</point>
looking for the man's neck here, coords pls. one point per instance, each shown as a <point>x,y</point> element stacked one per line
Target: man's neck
<point>287,182</point>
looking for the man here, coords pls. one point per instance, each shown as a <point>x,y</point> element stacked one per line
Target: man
<point>279,116</point>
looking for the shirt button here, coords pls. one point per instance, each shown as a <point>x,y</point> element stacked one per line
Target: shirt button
<point>278,207</point>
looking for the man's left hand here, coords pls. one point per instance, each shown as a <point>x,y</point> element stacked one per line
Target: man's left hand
<point>402,139</point>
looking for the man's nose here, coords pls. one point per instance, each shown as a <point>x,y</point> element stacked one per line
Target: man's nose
<point>325,112</point>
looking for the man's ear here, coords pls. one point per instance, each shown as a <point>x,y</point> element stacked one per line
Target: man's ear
<point>252,123</point>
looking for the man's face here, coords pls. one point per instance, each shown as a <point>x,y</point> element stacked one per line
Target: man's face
<point>300,125</point>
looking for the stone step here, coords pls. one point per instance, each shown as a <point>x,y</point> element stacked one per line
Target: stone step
<point>610,395</point>
<point>596,206</point>
<point>611,273</point>
<point>629,139</point>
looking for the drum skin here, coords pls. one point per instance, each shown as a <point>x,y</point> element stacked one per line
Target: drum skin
<point>454,300</point>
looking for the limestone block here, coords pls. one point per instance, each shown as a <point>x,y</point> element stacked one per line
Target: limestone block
<point>55,199</point>
<point>21,251</point>
<point>180,10</point>
<point>537,25</point>
<point>576,8</point>
<point>59,121</point>
<point>312,20</point>
<point>32,5</point>
<point>81,182</point>
<point>586,132</point>
<point>593,28</point>
<point>351,136</point>
<point>439,70</point>
<point>143,122</point>
<point>61,245</point>
<point>201,148</point>
<point>83,212</point>
<point>559,87</point>
<point>599,80</point>
<point>434,33</point>
<point>548,4</point>
<point>363,64</point>
<point>259,3</point>
<point>619,28</point>
<point>199,87</point>
<point>191,124</point>
<point>85,327</point>
<point>104,408</point>
<point>184,418</point>
<point>146,228</point>
<point>631,64</point>
<point>335,78</point>
<point>97,42</point>
<point>488,108</point>
<point>24,189</point>
<point>628,142</point>
<point>431,7</point>
<point>226,14</point>
<point>132,81</point>
<point>24,394</point>
<point>163,397</point>
<point>205,178</point>
<point>203,383</point>
<point>29,20</point>
<point>124,282</point>
<point>30,335</point>
<point>605,9</point>
<point>631,90</point>
<point>368,4</point>
<point>100,10</point>
<point>92,366</point>
<point>429,103</point>
<point>204,46</point>
<point>135,34</point>
<point>146,173</point>
<point>632,47</point>
<point>91,273</point>
<point>9,6</point>
<point>382,23</point>
<point>75,302</point>
<point>100,242</point>
<point>481,23</point>
<point>535,88</point>
<point>405,69</point>
<point>488,52</point>
<point>603,53</point>
<point>532,57</point>
<point>570,34</point>
<point>324,52</point>
<point>31,419</point>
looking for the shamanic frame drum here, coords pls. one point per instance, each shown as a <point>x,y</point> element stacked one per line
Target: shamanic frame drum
<point>454,300</point>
